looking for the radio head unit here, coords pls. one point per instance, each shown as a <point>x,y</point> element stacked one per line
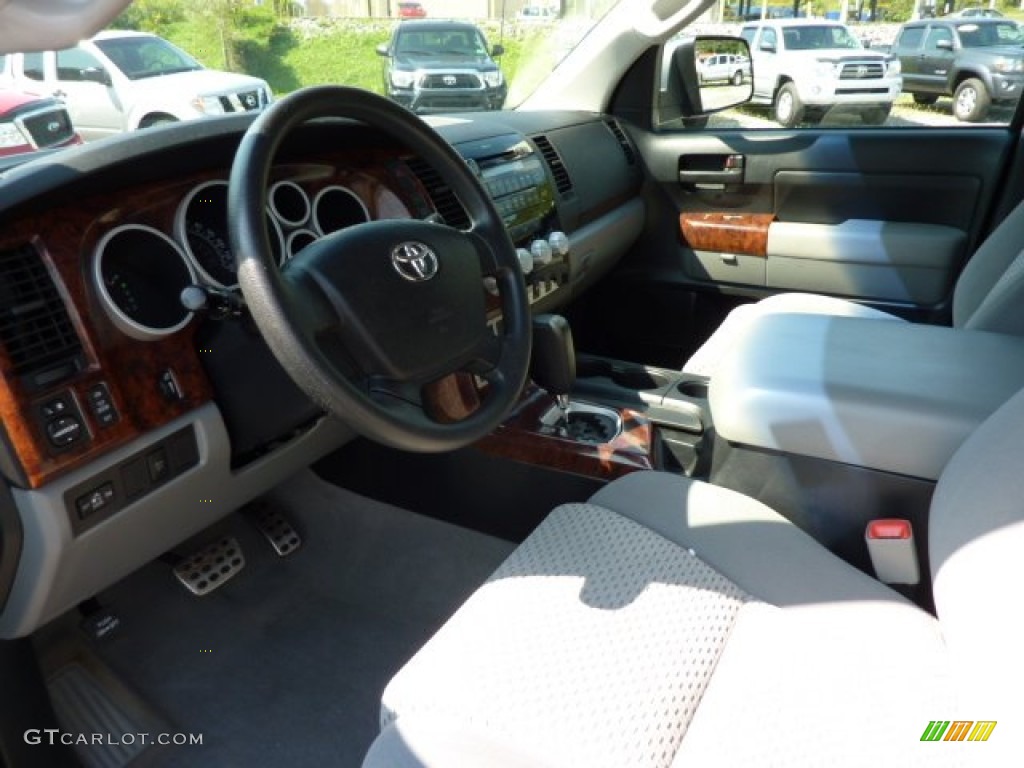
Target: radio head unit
<point>516,179</point>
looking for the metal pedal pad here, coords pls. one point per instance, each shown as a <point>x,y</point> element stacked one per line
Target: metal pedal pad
<point>211,567</point>
<point>278,529</point>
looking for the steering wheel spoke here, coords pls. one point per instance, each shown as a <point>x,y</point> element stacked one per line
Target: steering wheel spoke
<point>362,319</point>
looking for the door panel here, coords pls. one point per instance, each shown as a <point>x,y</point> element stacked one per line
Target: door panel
<point>885,216</point>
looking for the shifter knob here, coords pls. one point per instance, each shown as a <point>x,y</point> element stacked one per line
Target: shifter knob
<point>553,365</point>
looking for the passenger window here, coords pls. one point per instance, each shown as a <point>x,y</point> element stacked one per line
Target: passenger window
<point>911,38</point>
<point>935,36</point>
<point>32,66</point>
<point>71,63</point>
<point>821,74</point>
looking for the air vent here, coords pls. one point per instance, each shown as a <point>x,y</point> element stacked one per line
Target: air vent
<point>558,169</point>
<point>444,200</point>
<point>620,136</point>
<point>35,329</point>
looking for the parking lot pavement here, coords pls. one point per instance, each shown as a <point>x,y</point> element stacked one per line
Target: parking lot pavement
<point>905,113</point>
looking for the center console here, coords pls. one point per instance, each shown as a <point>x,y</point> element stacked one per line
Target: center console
<point>880,394</point>
<point>514,175</point>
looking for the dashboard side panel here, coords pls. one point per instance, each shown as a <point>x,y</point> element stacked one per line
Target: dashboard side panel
<point>58,569</point>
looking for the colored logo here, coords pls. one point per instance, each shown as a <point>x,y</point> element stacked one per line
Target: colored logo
<point>958,730</point>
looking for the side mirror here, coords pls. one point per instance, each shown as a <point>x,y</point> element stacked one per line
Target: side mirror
<point>944,45</point>
<point>696,81</point>
<point>382,49</point>
<point>96,75</point>
<point>498,50</point>
<point>769,47</point>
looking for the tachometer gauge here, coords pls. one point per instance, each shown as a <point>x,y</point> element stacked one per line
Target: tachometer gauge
<point>211,252</point>
<point>202,228</point>
<point>201,225</point>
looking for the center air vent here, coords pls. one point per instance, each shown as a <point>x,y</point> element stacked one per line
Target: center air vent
<point>35,329</point>
<point>561,174</point>
<point>620,136</point>
<point>444,200</point>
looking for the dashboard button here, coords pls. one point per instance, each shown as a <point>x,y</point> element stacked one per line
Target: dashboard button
<point>169,386</point>
<point>92,502</point>
<point>135,478</point>
<point>159,468</point>
<point>64,431</point>
<point>102,405</point>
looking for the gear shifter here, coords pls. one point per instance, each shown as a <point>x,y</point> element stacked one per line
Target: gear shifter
<point>553,368</point>
<point>553,365</point>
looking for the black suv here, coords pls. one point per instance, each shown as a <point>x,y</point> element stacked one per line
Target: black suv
<point>977,61</point>
<point>442,66</point>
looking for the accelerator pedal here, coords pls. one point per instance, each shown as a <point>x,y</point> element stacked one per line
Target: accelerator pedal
<point>278,529</point>
<point>211,567</point>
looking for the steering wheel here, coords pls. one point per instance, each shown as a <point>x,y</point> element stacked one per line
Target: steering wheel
<point>364,318</point>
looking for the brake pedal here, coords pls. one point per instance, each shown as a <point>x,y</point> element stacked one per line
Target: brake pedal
<point>278,529</point>
<point>211,567</point>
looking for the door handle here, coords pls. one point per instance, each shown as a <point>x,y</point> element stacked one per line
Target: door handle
<point>725,176</point>
<point>711,169</point>
<point>59,94</point>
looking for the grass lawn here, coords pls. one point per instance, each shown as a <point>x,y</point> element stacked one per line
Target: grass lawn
<point>320,51</point>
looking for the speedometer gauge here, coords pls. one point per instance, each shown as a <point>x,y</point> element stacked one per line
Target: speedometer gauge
<point>201,225</point>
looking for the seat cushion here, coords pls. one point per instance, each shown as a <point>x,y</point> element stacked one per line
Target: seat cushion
<point>662,619</point>
<point>705,359</point>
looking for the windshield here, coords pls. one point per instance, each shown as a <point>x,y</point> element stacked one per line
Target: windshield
<point>247,54</point>
<point>454,41</point>
<point>141,57</point>
<point>809,38</point>
<point>985,35</point>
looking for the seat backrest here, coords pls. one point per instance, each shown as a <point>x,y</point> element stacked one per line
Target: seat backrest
<point>976,549</point>
<point>989,295</point>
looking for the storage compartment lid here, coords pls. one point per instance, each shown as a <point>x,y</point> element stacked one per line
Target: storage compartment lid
<point>893,396</point>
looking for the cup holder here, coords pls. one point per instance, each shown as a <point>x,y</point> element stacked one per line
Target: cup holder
<point>638,378</point>
<point>628,377</point>
<point>695,389</point>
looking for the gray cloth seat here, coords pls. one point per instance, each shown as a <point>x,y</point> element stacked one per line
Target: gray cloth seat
<point>668,622</point>
<point>987,297</point>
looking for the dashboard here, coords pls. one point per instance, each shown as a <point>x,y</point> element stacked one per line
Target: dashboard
<point>138,405</point>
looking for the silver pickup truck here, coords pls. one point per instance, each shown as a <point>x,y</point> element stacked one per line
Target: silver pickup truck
<point>806,68</point>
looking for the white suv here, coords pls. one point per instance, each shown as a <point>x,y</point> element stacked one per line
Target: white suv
<point>120,81</point>
<point>806,67</point>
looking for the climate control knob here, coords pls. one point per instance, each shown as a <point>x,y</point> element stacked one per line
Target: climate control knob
<point>526,259</point>
<point>559,243</point>
<point>542,253</point>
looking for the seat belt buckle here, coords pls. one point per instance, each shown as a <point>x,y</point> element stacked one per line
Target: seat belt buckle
<point>893,552</point>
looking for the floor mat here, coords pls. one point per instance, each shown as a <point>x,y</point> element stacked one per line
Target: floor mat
<point>85,706</point>
<point>284,665</point>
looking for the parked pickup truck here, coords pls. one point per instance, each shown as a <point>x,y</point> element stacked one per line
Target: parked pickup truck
<point>805,68</point>
<point>977,61</point>
<point>28,123</point>
<point>119,81</point>
<point>442,66</point>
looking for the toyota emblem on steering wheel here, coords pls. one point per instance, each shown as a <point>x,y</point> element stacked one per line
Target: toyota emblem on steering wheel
<point>414,261</point>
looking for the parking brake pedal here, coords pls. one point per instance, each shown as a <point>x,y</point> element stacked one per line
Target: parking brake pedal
<point>211,567</point>
<point>278,529</point>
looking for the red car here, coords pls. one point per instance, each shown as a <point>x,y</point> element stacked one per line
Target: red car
<point>411,11</point>
<point>28,123</point>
